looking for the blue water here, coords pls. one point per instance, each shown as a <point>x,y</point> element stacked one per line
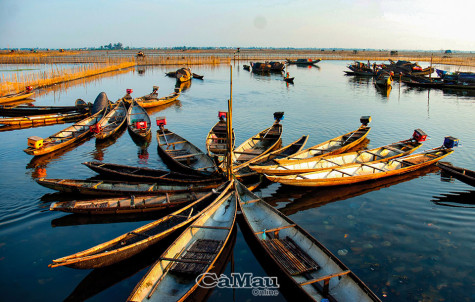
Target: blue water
<point>394,234</point>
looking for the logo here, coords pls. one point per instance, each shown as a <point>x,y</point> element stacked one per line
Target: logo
<point>261,286</point>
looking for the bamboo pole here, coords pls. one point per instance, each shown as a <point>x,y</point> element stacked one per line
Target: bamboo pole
<point>229,122</point>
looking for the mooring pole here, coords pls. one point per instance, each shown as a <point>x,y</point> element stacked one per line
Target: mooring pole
<point>229,122</point>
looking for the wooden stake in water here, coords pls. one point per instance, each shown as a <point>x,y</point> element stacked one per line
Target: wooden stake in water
<point>229,122</point>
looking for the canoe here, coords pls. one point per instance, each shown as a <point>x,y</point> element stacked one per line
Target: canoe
<point>13,97</point>
<point>126,205</point>
<point>268,159</point>
<point>335,145</point>
<point>260,144</point>
<point>63,138</point>
<point>217,139</point>
<point>146,174</point>
<point>299,259</point>
<point>197,76</point>
<point>183,75</point>
<point>138,121</point>
<point>182,156</point>
<point>45,119</point>
<point>22,110</point>
<point>180,270</point>
<point>134,242</point>
<point>289,80</point>
<point>117,188</point>
<point>383,79</point>
<point>154,102</point>
<point>356,173</point>
<point>303,61</point>
<point>462,174</point>
<point>313,164</point>
<point>112,121</point>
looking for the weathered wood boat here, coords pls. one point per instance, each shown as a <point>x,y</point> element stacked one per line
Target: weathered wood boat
<point>155,102</point>
<point>13,97</point>
<point>46,119</point>
<point>134,242</point>
<point>118,188</point>
<point>126,205</point>
<point>299,259</point>
<point>462,174</point>
<point>181,155</point>
<point>197,76</point>
<point>383,78</point>
<point>313,164</point>
<point>336,145</point>
<point>70,135</point>
<point>260,144</point>
<point>112,121</point>
<point>138,121</point>
<point>277,66</point>
<point>356,173</point>
<point>181,268</point>
<point>268,159</point>
<point>303,61</point>
<point>217,139</point>
<point>23,110</point>
<point>183,75</point>
<point>146,174</point>
<point>259,67</point>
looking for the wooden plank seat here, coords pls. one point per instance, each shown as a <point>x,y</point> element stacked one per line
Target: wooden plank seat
<point>290,255</point>
<point>173,143</point>
<point>197,257</point>
<point>187,155</point>
<point>393,149</point>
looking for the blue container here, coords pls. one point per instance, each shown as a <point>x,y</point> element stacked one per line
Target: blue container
<point>450,142</point>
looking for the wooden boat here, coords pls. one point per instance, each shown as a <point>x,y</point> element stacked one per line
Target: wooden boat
<point>197,76</point>
<point>146,174</point>
<point>259,67</point>
<point>260,144</point>
<point>289,80</point>
<point>46,119</point>
<point>246,67</point>
<point>149,102</point>
<point>383,78</point>
<point>138,121</point>
<point>117,188</point>
<point>462,174</point>
<point>23,110</point>
<point>336,145</point>
<point>183,75</point>
<point>313,164</point>
<point>13,97</point>
<point>112,121</point>
<point>180,269</point>
<point>298,258</point>
<point>268,159</point>
<point>181,155</point>
<point>303,61</point>
<point>63,138</point>
<point>134,242</point>
<point>217,139</point>
<point>127,205</point>
<point>356,173</point>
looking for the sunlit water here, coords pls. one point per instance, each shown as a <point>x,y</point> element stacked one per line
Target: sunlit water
<point>394,234</point>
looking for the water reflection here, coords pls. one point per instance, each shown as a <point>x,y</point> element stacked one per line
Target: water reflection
<point>456,199</point>
<point>383,91</point>
<point>183,86</point>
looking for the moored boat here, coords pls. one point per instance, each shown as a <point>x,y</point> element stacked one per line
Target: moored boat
<point>23,110</point>
<point>134,242</point>
<point>45,119</point>
<point>335,145</point>
<point>289,80</point>
<point>217,139</point>
<point>118,188</point>
<point>303,61</point>
<point>180,154</point>
<point>112,121</point>
<point>465,175</point>
<point>13,97</point>
<point>297,166</point>
<point>180,270</point>
<point>152,100</point>
<point>299,259</point>
<point>183,75</point>
<point>138,121</point>
<point>356,173</point>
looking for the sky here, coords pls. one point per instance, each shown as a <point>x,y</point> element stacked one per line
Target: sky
<point>365,24</point>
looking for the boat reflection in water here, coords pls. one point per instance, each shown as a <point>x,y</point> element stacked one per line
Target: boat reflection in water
<point>102,145</point>
<point>456,199</point>
<point>300,199</point>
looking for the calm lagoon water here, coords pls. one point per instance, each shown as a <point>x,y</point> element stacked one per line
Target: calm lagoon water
<point>408,238</point>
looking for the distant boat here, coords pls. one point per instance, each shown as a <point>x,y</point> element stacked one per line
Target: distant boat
<point>303,61</point>
<point>13,97</point>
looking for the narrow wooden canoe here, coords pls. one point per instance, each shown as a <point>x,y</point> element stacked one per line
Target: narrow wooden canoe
<point>22,110</point>
<point>68,136</point>
<point>313,164</point>
<point>314,272</point>
<point>268,159</point>
<point>181,155</point>
<point>462,174</point>
<point>356,173</point>
<point>112,121</point>
<point>180,269</point>
<point>117,188</point>
<point>183,75</point>
<point>217,140</point>
<point>197,76</point>
<point>143,174</point>
<point>303,61</point>
<point>126,205</point>
<point>154,102</point>
<point>336,145</point>
<point>266,141</point>
<point>138,121</point>
<point>15,97</point>
<point>46,119</point>
<point>134,242</point>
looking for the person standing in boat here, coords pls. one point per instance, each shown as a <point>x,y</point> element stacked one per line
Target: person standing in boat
<point>287,75</point>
